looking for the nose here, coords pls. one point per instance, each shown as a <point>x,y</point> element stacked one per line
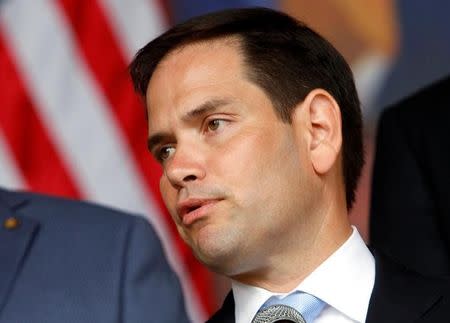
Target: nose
<point>184,167</point>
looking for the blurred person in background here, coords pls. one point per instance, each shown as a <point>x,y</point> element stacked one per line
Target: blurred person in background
<point>410,208</point>
<point>66,261</point>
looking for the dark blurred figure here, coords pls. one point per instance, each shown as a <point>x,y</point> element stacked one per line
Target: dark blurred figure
<point>410,211</point>
<point>70,262</point>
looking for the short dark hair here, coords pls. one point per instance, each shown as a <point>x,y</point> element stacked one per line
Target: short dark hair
<point>284,57</point>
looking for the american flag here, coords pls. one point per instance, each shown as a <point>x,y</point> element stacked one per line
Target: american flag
<point>70,122</point>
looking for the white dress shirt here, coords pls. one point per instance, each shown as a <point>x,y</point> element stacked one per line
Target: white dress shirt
<point>344,281</point>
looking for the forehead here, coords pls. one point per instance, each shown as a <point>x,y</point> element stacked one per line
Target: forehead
<point>193,68</point>
<point>222,50</point>
<point>199,50</point>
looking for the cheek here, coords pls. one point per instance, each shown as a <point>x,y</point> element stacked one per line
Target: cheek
<point>252,165</point>
<point>168,194</point>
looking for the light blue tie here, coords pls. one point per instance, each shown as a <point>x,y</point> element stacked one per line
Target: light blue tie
<point>276,309</point>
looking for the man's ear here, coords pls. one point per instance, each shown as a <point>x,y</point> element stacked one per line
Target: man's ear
<point>323,117</point>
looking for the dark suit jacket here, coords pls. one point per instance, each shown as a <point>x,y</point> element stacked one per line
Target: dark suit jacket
<point>410,208</point>
<point>399,296</point>
<point>73,262</point>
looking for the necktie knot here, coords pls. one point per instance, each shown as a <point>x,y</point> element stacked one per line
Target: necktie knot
<point>296,307</point>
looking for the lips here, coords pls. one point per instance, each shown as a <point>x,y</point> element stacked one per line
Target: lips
<point>193,209</point>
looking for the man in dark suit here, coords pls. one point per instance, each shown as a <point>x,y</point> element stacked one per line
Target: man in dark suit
<point>72,262</point>
<point>410,209</point>
<point>256,123</point>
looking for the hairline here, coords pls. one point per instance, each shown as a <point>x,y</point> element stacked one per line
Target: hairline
<point>236,41</point>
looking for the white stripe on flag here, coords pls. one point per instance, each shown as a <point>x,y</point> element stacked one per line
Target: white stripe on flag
<point>10,175</point>
<point>135,22</point>
<point>72,108</point>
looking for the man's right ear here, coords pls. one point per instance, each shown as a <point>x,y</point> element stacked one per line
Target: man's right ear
<point>318,118</point>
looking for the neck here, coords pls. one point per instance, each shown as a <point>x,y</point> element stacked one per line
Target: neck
<point>283,272</point>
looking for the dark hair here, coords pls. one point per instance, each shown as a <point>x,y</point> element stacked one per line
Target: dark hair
<point>284,57</point>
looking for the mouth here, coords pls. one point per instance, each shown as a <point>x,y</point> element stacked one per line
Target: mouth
<point>192,210</point>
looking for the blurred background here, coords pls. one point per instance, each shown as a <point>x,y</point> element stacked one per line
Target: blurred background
<point>71,125</point>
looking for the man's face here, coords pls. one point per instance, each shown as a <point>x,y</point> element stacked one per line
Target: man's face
<point>234,177</point>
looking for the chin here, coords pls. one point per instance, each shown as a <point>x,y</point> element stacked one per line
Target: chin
<point>222,265</point>
<point>217,250</point>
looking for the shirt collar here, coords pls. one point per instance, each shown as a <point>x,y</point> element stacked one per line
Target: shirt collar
<point>344,281</point>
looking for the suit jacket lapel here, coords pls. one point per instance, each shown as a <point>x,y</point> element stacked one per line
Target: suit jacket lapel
<point>14,242</point>
<point>226,313</point>
<point>400,295</point>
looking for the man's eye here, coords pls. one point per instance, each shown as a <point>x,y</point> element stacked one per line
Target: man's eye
<point>214,124</point>
<point>165,152</point>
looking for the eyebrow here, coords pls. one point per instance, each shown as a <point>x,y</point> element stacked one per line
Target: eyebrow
<point>206,107</point>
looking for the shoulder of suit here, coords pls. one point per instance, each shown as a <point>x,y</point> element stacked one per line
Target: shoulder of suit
<point>430,101</point>
<point>51,208</point>
<point>389,268</point>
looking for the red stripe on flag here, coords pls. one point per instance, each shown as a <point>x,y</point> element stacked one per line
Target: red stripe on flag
<point>166,9</point>
<point>105,59</point>
<point>29,142</point>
